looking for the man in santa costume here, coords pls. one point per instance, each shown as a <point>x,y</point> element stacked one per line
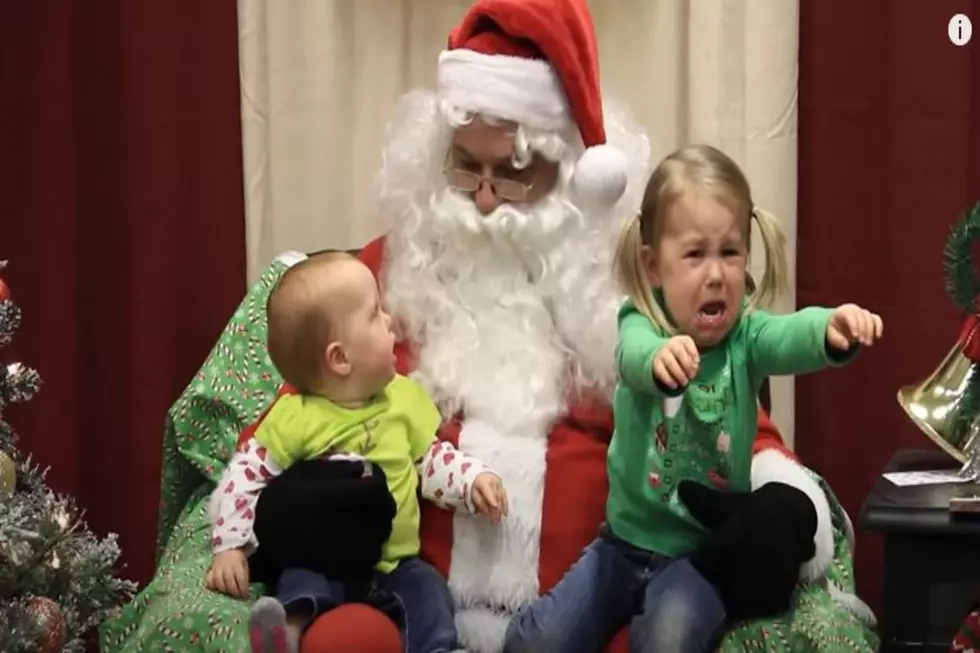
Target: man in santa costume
<point>505,188</point>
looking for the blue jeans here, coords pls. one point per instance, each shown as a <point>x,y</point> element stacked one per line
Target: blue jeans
<point>669,606</point>
<point>414,596</point>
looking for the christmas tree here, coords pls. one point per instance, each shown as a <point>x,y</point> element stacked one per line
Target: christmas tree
<point>56,576</point>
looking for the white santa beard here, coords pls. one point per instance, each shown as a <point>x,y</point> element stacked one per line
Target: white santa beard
<point>509,312</point>
<point>431,284</point>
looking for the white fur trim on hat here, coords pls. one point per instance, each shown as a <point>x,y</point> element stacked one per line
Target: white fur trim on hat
<point>526,91</point>
<point>600,176</point>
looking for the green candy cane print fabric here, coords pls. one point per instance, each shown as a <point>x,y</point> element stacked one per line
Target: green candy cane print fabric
<point>174,612</point>
<point>820,621</point>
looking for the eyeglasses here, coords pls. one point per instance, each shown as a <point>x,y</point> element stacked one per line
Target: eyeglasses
<point>465,181</point>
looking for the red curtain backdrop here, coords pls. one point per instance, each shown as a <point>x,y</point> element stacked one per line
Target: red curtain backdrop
<point>889,158</point>
<point>121,215</point>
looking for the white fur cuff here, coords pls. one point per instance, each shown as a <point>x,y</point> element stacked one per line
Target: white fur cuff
<point>481,631</point>
<point>526,91</point>
<point>771,465</point>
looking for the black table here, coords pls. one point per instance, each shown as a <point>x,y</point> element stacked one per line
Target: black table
<point>931,557</point>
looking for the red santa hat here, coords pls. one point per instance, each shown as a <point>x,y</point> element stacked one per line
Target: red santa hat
<point>535,62</point>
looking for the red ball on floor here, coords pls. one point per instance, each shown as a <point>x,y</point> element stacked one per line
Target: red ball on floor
<point>352,627</point>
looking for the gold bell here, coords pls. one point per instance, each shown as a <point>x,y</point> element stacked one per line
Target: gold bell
<point>936,404</point>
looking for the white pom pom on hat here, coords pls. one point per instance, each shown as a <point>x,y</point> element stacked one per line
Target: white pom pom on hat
<point>600,175</point>
<point>535,62</point>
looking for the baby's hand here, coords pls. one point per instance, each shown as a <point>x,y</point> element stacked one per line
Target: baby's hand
<point>489,497</point>
<point>850,324</point>
<point>228,574</point>
<point>676,364</point>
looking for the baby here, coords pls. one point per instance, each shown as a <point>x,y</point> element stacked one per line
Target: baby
<point>332,342</point>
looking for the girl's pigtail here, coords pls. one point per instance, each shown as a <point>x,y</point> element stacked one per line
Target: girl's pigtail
<point>631,277</point>
<point>775,278</point>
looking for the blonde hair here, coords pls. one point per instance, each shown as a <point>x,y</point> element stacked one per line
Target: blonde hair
<point>299,322</point>
<point>711,170</point>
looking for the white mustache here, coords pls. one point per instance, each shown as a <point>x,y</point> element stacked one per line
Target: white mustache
<point>537,227</point>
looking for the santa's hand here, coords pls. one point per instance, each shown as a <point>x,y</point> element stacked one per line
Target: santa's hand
<point>489,497</point>
<point>852,325</point>
<point>676,363</point>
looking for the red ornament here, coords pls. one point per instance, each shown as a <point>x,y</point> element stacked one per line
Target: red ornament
<point>970,337</point>
<point>4,291</point>
<point>51,619</point>
<point>352,627</point>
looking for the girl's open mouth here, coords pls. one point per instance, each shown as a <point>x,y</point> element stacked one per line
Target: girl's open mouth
<point>711,315</point>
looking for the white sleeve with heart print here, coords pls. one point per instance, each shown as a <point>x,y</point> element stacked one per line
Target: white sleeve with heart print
<point>447,476</point>
<point>232,505</point>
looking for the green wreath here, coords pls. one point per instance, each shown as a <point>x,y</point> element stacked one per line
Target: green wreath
<point>963,287</point>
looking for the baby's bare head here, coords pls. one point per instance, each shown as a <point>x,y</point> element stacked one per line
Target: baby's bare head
<point>308,309</point>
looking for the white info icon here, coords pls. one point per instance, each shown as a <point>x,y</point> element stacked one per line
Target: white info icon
<point>960,29</point>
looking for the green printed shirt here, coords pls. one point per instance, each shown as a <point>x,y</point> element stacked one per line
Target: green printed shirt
<point>709,438</point>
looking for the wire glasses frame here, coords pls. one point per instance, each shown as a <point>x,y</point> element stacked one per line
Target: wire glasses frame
<point>465,181</point>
